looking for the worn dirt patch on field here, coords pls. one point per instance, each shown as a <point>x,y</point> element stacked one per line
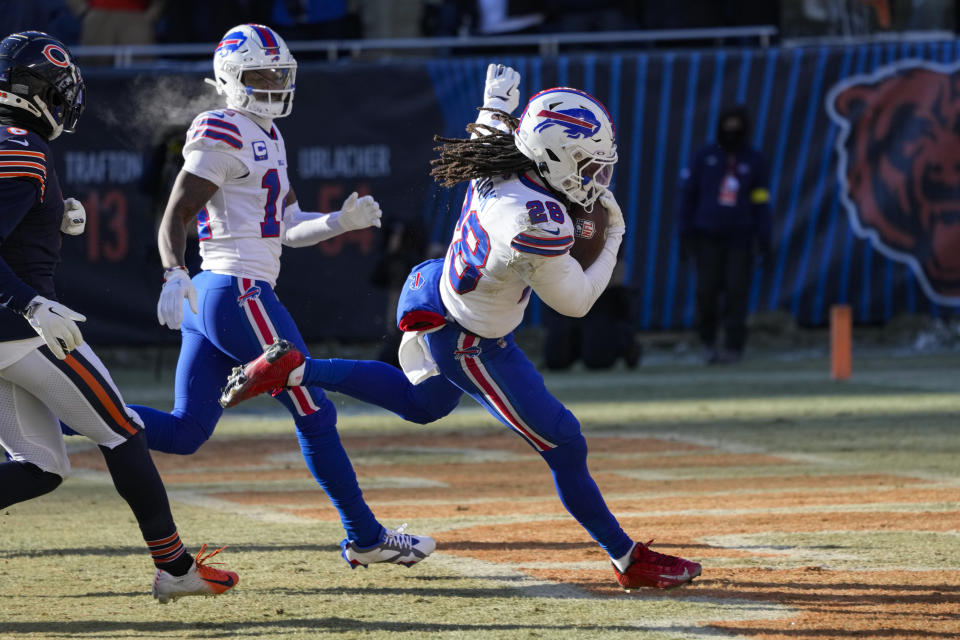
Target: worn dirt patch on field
<point>766,527</point>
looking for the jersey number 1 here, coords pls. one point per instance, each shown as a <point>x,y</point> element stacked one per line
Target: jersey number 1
<point>270,228</point>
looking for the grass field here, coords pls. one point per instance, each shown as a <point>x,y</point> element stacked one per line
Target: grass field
<point>820,510</point>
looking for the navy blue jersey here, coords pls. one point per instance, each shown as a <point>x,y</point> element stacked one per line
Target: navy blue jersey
<point>726,195</point>
<point>31,207</point>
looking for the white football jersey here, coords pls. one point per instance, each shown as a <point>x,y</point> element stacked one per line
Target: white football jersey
<point>507,226</point>
<point>239,229</point>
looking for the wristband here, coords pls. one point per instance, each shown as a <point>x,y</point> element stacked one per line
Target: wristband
<point>168,270</point>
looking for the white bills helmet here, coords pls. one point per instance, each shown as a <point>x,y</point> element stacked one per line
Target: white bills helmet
<point>570,137</point>
<point>255,71</point>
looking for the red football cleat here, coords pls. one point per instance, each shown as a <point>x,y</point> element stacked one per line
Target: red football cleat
<point>267,373</point>
<point>651,569</point>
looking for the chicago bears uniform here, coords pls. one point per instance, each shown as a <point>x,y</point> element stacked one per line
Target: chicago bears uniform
<point>513,236</point>
<point>30,241</point>
<point>47,372</point>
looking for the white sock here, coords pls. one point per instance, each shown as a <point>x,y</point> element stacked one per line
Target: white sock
<point>623,561</point>
<point>296,376</point>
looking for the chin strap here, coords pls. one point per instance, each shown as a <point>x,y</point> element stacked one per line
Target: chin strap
<point>38,110</point>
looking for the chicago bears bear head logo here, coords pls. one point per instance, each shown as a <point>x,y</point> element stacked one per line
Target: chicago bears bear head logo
<point>576,123</point>
<point>899,169</point>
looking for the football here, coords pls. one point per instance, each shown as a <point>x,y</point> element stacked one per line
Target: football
<point>589,231</point>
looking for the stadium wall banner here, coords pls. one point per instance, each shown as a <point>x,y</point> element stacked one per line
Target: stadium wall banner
<point>861,140</point>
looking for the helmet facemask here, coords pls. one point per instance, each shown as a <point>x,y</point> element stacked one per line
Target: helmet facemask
<point>263,91</point>
<point>588,181</point>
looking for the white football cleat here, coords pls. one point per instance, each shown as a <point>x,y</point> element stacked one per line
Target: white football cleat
<point>200,580</point>
<point>395,546</point>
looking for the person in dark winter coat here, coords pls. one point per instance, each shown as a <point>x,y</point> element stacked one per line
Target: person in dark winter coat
<point>725,226</point>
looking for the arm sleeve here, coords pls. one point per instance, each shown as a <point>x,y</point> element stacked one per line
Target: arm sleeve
<point>18,196</point>
<point>563,285</point>
<point>305,228</point>
<point>216,166</point>
<point>490,119</point>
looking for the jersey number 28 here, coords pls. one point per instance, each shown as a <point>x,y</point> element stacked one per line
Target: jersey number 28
<point>470,253</point>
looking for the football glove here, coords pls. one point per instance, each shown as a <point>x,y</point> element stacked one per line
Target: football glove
<point>56,324</point>
<point>615,222</point>
<point>359,213</point>
<point>176,286</point>
<point>74,217</point>
<point>501,89</point>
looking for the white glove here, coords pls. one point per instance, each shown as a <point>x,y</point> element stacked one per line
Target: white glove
<point>56,324</point>
<point>615,222</point>
<point>176,286</point>
<point>359,213</point>
<point>74,217</point>
<point>501,91</point>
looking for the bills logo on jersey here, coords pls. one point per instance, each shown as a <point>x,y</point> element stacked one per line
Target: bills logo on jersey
<point>468,352</point>
<point>250,294</point>
<point>576,123</point>
<point>231,42</point>
<point>259,150</point>
<point>416,280</point>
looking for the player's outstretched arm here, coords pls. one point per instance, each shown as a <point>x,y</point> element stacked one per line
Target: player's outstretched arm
<point>189,194</point>
<point>305,228</point>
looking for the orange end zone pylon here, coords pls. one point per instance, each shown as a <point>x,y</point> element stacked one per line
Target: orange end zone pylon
<point>841,342</point>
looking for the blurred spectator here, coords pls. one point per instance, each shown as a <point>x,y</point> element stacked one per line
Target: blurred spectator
<point>501,17</point>
<point>389,18</point>
<point>600,337</point>
<point>724,224</point>
<point>115,22</point>
<point>572,16</point>
<point>207,21</point>
<point>314,20</point>
<point>444,18</point>
<point>50,16</point>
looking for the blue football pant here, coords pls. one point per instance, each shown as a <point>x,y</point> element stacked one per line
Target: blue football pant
<point>497,374</point>
<point>237,318</point>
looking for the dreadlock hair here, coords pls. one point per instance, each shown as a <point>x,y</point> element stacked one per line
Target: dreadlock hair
<point>491,153</point>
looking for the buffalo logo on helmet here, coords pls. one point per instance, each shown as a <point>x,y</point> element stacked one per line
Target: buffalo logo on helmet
<point>899,167</point>
<point>576,123</point>
<point>231,42</point>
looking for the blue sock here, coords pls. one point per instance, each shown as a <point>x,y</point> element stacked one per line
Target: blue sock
<point>582,498</point>
<point>328,462</point>
<point>385,386</point>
